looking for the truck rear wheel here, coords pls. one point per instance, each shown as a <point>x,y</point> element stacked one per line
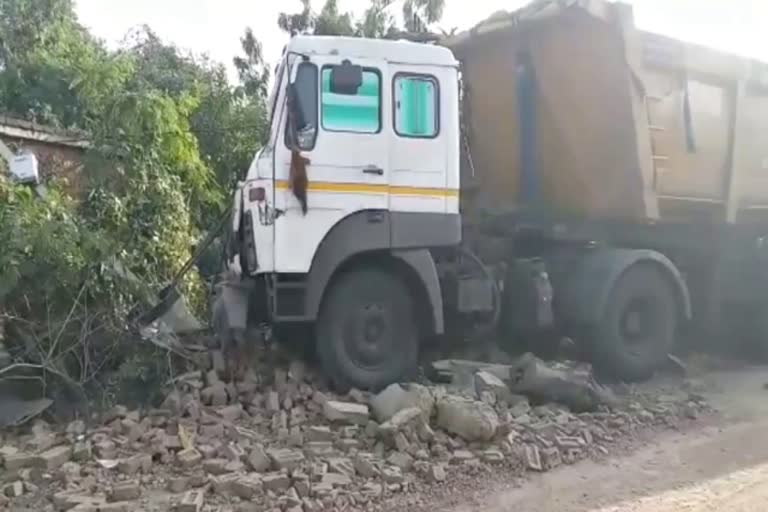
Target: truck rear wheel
<point>638,326</point>
<point>367,335</point>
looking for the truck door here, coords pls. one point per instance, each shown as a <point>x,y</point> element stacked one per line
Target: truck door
<point>419,153</point>
<point>346,147</point>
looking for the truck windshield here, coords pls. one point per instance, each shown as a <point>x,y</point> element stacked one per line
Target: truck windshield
<point>302,108</point>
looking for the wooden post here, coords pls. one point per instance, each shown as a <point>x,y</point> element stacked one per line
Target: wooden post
<point>736,167</point>
<point>638,97</point>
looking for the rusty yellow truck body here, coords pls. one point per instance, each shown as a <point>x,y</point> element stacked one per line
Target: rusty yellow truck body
<point>628,124</point>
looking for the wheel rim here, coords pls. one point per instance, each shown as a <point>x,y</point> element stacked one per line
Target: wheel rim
<point>368,336</point>
<point>638,323</point>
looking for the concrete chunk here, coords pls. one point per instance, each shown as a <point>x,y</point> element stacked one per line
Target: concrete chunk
<point>397,397</point>
<point>412,416</point>
<point>488,382</point>
<point>469,419</point>
<point>258,460</point>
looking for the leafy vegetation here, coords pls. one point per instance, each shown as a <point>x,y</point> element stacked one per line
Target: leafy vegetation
<point>169,136</point>
<point>377,21</point>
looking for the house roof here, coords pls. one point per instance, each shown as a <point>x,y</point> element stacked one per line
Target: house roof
<point>27,130</point>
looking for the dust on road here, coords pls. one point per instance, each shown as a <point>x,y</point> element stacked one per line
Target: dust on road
<point>722,467</point>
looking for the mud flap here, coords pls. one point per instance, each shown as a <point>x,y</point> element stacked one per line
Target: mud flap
<point>230,306</point>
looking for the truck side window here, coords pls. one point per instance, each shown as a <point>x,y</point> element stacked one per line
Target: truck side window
<point>357,113</point>
<point>417,106</point>
<point>305,108</point>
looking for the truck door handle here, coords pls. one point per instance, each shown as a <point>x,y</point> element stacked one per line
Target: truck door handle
<point>372,169</point>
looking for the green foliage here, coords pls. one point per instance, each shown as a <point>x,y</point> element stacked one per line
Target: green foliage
<point>253,73</point>
<point>169,136</point>
<point>330,22</point>
<point>301,22</point>
<point>376,21</point>
<point>419,14</point>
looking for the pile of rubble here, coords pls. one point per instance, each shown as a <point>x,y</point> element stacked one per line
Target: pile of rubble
<point>283,443</point>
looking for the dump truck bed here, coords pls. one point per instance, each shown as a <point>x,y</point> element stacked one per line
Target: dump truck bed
<point>571,110</point>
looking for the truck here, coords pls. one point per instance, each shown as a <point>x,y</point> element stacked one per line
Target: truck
<point>553,172</point>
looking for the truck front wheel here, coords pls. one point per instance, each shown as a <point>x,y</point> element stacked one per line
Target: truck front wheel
<point>638,326</point>
<point>367,335</point>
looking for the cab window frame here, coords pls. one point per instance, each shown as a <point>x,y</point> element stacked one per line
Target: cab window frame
<point>438,117</point>
<point>286,131</point>
<point>380,109</point>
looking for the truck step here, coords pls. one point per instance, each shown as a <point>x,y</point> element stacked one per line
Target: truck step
<point>290,285</point>
<point>288,299</point>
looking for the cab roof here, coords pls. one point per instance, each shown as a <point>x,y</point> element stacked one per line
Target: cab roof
<point>403,52</point>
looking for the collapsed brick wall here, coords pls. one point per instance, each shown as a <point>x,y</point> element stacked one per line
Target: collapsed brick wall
<point>58,162</point>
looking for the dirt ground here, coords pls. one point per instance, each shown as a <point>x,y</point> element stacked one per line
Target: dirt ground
<point>722,465</point>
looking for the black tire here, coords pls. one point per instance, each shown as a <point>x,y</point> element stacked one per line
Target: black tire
<point>638,327</point>
<point>750,326</point>
<point>367,335</point>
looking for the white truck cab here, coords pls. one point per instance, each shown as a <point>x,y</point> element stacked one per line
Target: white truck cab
<point>390,145</point>
<point>358,182</point>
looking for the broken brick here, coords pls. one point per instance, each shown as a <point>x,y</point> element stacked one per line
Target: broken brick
<point>365,467</point>
<point>286,459</point>
<point>551,458</point>
<point>222,484</point>
<point>133,465</point>
<point>319,434</point>
<point>276,482</point>
<point>14,489</point>
<point>17,461</point>
<point>231,413</point>
<point>221,466</point>
<point>81,451</point>
<point>533,458</point>
<point>55,457</point>
<point>191,502</point>
<point>345,412</point>
<point>178,484</point>
<point>246,487</point>
<point>124,492</point>
<point>189,458</point>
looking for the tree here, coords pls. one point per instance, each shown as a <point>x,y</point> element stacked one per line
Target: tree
<point>419,14</point>
<point>25,24</point>
<point>297,23</point>
<point>52,70</point>
<point>253,73</point>
<point>376,22</point>
<point>169,134</point>
<point>331,22</point>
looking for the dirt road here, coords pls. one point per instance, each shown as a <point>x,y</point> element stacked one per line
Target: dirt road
<point>723,467</point>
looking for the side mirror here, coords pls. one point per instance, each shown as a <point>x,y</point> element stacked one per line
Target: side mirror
<point>295,115</point>
<point>346,78</point>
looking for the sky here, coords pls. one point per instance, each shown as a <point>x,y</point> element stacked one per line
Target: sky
<point>213,27</point>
